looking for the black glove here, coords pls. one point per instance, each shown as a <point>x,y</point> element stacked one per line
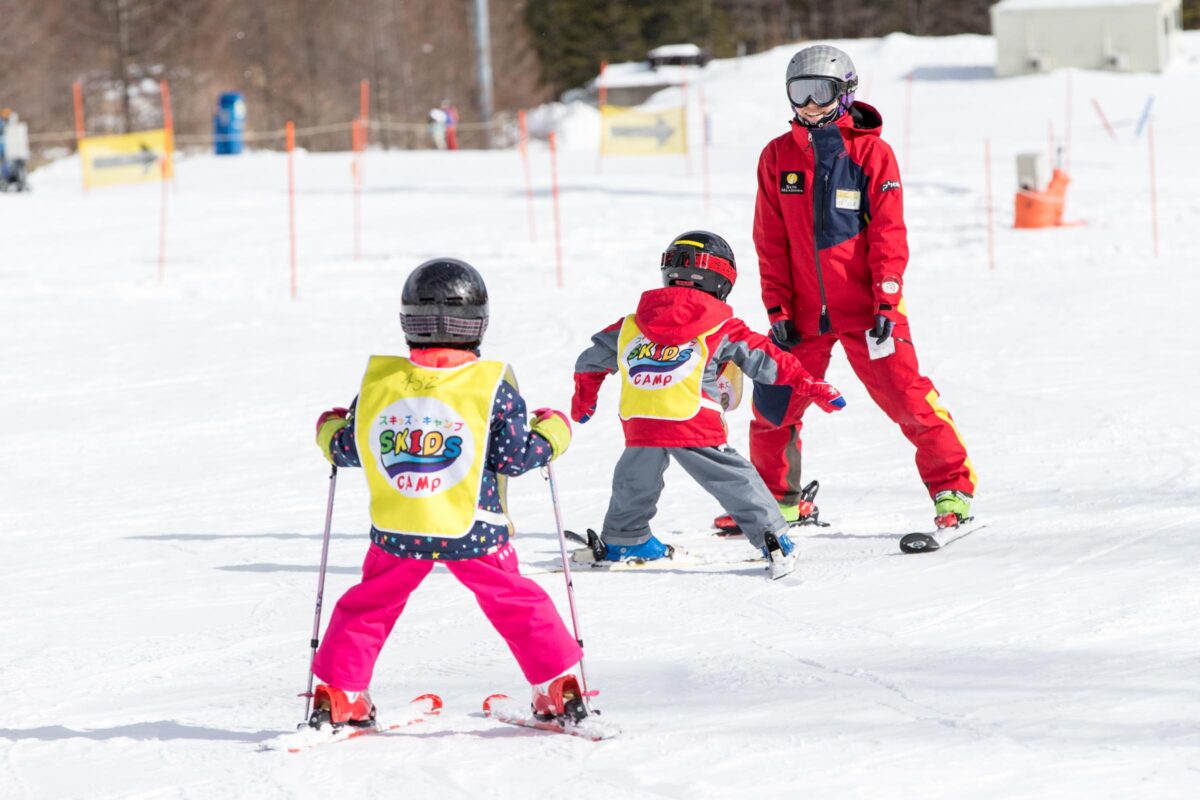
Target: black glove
<point>883,325</point>
<point>784,333</point>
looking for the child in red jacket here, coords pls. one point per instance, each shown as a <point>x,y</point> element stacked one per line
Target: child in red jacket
<point>669,355</point>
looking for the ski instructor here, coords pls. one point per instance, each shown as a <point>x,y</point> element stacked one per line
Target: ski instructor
<point>832,249</point>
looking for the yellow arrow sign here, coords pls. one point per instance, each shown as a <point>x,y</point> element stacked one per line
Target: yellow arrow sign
<point>125,158</point>
<point>626,132</point>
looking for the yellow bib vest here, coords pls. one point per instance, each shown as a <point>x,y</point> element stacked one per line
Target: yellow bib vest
<point>660,381</point>
<point>422,436</point>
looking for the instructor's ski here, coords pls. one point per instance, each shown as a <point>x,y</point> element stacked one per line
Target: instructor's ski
<point>419,709</point>
<point>503,708</point>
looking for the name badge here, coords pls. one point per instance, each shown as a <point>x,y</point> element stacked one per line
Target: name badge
<point>849,199</point>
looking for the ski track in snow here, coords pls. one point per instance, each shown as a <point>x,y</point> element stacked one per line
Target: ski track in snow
<point>163,500</point>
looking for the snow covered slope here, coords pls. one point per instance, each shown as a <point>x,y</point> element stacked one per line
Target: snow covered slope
<point>162,500</point>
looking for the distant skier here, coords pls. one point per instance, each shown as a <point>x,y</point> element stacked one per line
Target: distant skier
<point>832,249</point>
<point>437,127</point>
<point>14,152</point>
<point>438,433</point>
<point>669,355</point>
<point>451,112</point>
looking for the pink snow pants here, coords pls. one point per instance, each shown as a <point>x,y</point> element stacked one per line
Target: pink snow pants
<point>518,608</point>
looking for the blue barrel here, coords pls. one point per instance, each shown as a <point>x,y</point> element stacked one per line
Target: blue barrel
<point>229,124</point>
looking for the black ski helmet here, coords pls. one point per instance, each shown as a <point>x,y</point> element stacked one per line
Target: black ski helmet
<point>701,260</point>
<point>444,302</point>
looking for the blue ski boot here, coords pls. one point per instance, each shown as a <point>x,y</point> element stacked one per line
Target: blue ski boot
<point>650,550</point>
<point>781,555</point>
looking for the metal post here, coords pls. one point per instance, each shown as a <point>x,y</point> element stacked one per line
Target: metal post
<point>483,50</point>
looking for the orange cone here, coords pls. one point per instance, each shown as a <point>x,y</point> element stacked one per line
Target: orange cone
<point>1043,209</point>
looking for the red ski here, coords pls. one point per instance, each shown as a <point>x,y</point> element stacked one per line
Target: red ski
<point>503,708</point>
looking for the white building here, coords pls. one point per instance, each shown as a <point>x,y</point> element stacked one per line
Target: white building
<point>1115,35</point>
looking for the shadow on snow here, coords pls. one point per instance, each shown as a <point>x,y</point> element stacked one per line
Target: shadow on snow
<point>141,731</point>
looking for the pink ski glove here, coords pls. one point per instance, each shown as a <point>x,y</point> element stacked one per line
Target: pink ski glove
<point>328,425</point>
<point>333,413</point>
<point>554,427</point>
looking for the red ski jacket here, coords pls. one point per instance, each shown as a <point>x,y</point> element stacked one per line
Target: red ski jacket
<point>829,224</point>
<point>675,315</point>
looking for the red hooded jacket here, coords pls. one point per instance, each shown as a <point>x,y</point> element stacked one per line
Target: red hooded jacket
<point>675,315</point>
<point>829,224</point>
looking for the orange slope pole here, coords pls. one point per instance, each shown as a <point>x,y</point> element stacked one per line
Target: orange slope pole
<point>558,265</point>
<point>290,134</point>
<point>167,157</point>
<point>80,131</point>
<point>523,145</point>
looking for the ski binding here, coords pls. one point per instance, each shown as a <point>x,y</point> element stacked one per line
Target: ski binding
<point>503,708</point>
<point>306,737</point>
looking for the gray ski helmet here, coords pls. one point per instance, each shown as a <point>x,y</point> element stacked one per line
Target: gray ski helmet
<point>444,302</point>
<point>825,61</point>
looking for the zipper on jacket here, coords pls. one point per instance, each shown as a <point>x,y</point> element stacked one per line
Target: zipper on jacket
<point>819,199</point>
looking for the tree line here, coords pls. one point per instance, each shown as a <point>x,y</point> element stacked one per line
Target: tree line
<point>302,60</point>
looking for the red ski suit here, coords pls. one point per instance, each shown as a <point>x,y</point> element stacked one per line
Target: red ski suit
<point>832,247</point>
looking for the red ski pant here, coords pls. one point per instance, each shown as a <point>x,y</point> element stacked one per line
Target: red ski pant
<point>896,385</point>
<point>518,608</point>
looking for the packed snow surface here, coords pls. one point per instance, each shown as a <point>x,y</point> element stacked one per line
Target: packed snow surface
<point>163,501</point>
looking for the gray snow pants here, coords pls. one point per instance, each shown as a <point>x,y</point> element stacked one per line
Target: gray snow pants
<point>720,471</point>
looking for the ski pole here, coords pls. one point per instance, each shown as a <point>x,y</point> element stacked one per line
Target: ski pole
<point>320,591</point>
<point>562,547</point>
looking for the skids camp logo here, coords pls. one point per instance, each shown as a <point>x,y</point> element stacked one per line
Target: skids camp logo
<point>422,445</point>
<point>657,366</point>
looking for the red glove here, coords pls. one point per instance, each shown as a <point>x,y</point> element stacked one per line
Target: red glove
<point>333,413</point>
<point>824,395</point>
<point>587,390</point>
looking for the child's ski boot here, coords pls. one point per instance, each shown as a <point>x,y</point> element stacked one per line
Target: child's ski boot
<point>805,512</point>
<point>951,508</point>
<point>781,555</point>
<point>333,707</point>
<point>598,553</point>
<point>650,550</point>
<point>562,701</point>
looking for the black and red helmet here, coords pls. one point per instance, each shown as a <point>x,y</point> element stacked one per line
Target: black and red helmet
<point>701,260</point>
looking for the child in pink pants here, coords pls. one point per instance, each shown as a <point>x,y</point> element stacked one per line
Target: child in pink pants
<point>437,434</point>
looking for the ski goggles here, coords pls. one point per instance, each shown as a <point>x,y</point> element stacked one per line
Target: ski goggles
<point>683,258</point>
<point>821,91</point>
